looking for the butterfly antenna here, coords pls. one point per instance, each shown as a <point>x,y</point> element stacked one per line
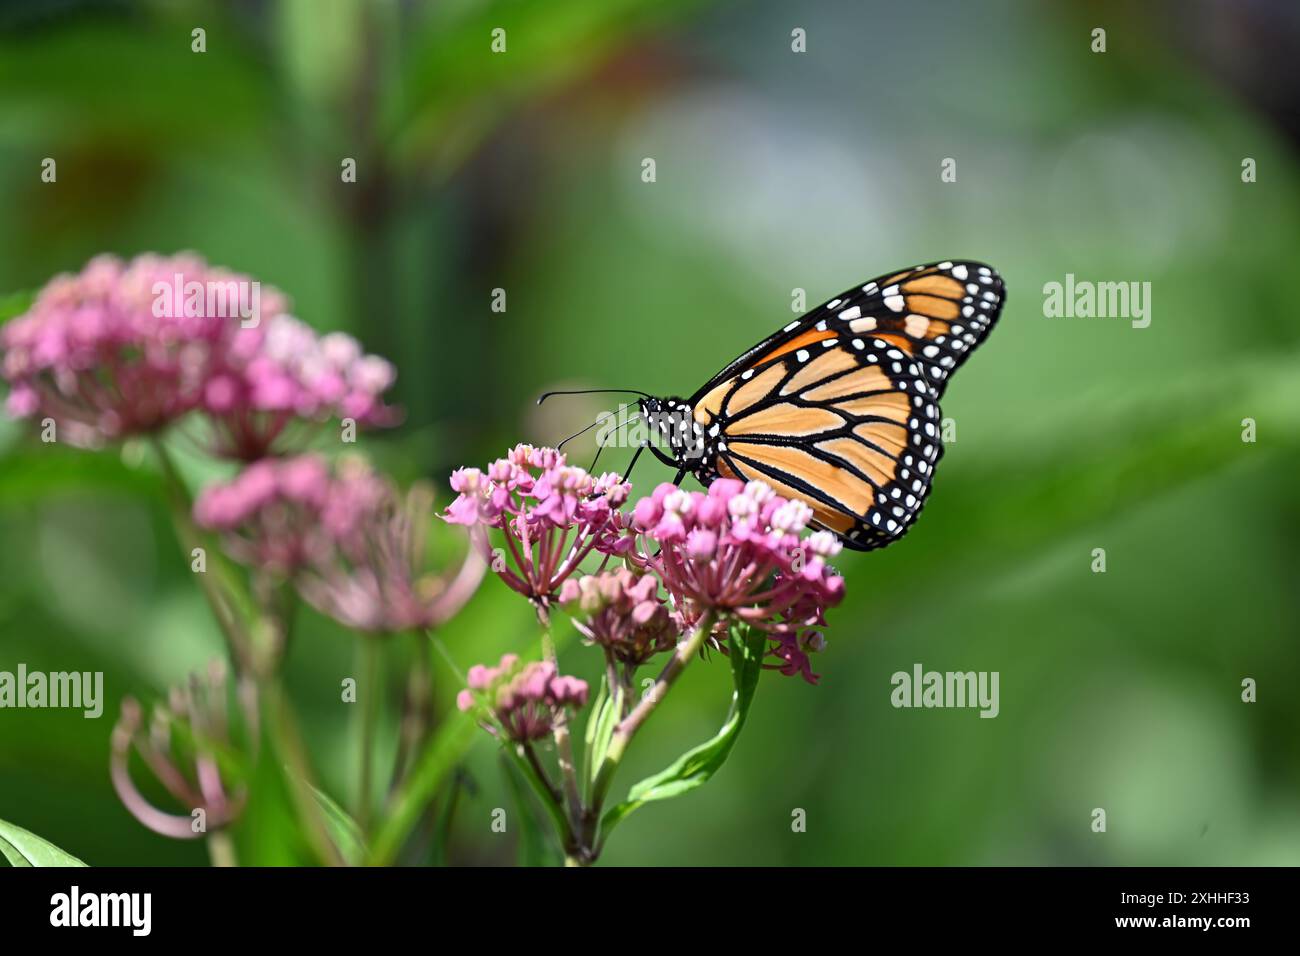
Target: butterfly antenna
<point>595,391</point>
<point>600,447</point>
<point>602,418</point>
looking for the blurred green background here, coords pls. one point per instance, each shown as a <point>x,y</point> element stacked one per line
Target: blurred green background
<point>775,171</point>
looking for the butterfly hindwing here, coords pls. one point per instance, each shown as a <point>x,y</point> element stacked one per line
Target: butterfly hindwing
<point>851,430</point>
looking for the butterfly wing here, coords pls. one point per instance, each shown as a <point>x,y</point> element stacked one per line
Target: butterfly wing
<point>939,313</point>
<point>841,408</point>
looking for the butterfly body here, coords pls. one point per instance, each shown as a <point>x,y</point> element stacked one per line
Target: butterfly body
<point>840,408</point>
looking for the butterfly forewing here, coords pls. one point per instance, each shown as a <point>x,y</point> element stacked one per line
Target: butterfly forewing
<point>940,312</point>
<point>840,408</point>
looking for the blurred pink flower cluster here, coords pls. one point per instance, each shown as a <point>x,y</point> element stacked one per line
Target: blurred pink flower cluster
<point>180,745</point>
<point>353,545</point>
<point>526,701</point>
<point>122,348</point>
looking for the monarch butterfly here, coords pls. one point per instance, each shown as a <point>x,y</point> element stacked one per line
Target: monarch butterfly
<point>840,408</point>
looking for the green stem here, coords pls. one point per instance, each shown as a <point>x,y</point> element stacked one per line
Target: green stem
<point>181,504</point>
<point>525,760</point>
<point>370,661</point>
<point>292,752</point>
<point>417,716</point>
<point>563,742</point>
<point>445,654</point>
<point>221,849</point>
<point>627,728</point>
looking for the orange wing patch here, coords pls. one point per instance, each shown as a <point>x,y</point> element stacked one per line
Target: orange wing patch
<point>756,389</point>
<point>891,405</point>
<point>787,419</point>
<point>832,362</point>
<point>824,514</point>
<point>801,341</point>
<point>932,306</point>
<point>854,494</point>
<point>891,438</point>
<point>879,468</point>
<point>869,379</point>
<point>935,284</point>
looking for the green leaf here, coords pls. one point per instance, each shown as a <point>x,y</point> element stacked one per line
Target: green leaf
<point>601,720</point>
<point>344,832</point>
<point>534,848</point>
<point>597,705</point>
<point>271,829</point>
<point>23,848</point>
<point>606,719</point>
<point>694,768</point>
<point>439,758</point>
<point>453,91</point>
<point>549,804</point>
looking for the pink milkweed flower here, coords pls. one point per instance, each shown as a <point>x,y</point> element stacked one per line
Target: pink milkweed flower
<point>621,612</point>
<point>737,552</point>
<point>552,515</point>
<point>526,701</point>
<point>127,348</point>
<point>269,514</point>
<point>351,542</point>
<point>107,355</point>
<point>187,765</point>
<point>272,380</point>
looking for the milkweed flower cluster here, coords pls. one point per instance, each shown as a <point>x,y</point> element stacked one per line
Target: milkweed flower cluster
<point>737,552</point>
<point>112,352</point>
<point>621,612</point>
<point>353,544</point>
<point>269,514</point>
<point>281,373</point>
<point>157,343</point>
<point>552,515</point>
<point>186,762</point>
<point>730,568</point>
<point>525,701</point>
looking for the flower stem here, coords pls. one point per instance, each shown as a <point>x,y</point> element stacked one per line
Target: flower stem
<point>221,849</point>
<point>627,728</point>
<point>180,503</point>
<point>417,714</point>
<point>370,651</point>
<point>289,749</point>
<point>563,743</point>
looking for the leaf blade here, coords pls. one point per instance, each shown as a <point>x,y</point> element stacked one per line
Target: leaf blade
<point>697,766</point>
<point>17,844</point>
